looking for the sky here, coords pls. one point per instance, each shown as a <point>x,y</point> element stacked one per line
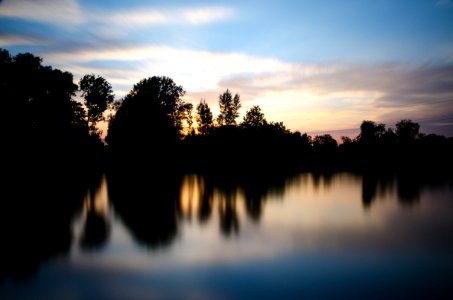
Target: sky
<point>318,66</point>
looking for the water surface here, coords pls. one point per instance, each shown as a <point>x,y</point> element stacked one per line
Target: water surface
<point>193,236</point>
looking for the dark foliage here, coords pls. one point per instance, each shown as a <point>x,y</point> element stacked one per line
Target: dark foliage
<point>36,215</point>
<point>148,122</point>
<point>204,118</point>
<point>41,125</point>
<point>98,95</point>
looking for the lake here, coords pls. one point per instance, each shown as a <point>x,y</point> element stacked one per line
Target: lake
<point>312,236</point>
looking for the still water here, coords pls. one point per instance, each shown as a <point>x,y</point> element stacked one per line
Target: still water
<point>196,237</point>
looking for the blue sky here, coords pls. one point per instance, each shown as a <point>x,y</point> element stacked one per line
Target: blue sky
<point>319,66</point>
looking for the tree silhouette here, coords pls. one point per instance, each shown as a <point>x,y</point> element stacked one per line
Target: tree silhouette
<point>186,114</point>
<point>229,108</point>
<point>98,94</point>
<point>370,132</point>
<point>346,140</point>
<point>406,130</point>
<point>42,122</point>
<point>325,141</point>
<point>254,118</point>
<point>149,118</point>
<point>5,57</point>
<point>389,137</point>
<point>279,128</point>
<point>204,118</point>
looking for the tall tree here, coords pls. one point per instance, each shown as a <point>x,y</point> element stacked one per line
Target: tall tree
<point>151,114</point>
<point>98,94</point>
<point>229,108</point>
<point>204,117</point>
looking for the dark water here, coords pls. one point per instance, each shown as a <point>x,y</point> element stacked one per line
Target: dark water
<point>195,237</point>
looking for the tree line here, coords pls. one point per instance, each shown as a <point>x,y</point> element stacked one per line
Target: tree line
<point>152,126</point>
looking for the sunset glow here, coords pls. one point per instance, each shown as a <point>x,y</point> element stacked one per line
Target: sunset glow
<point>316,67</point>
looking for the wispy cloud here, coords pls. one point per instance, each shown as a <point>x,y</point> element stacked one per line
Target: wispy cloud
<point>142,17</point>
<point>7,40</point>
<point>178,62</point>
<point>347,94</point>
<point>62,12</point>
<point>204,15</point>
<point>68,13</point>
<point>146,16</point>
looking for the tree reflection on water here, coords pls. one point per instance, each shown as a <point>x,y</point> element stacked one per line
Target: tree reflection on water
<point>36,214</point>
<point>97,216</point>
<point>35,222</point>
